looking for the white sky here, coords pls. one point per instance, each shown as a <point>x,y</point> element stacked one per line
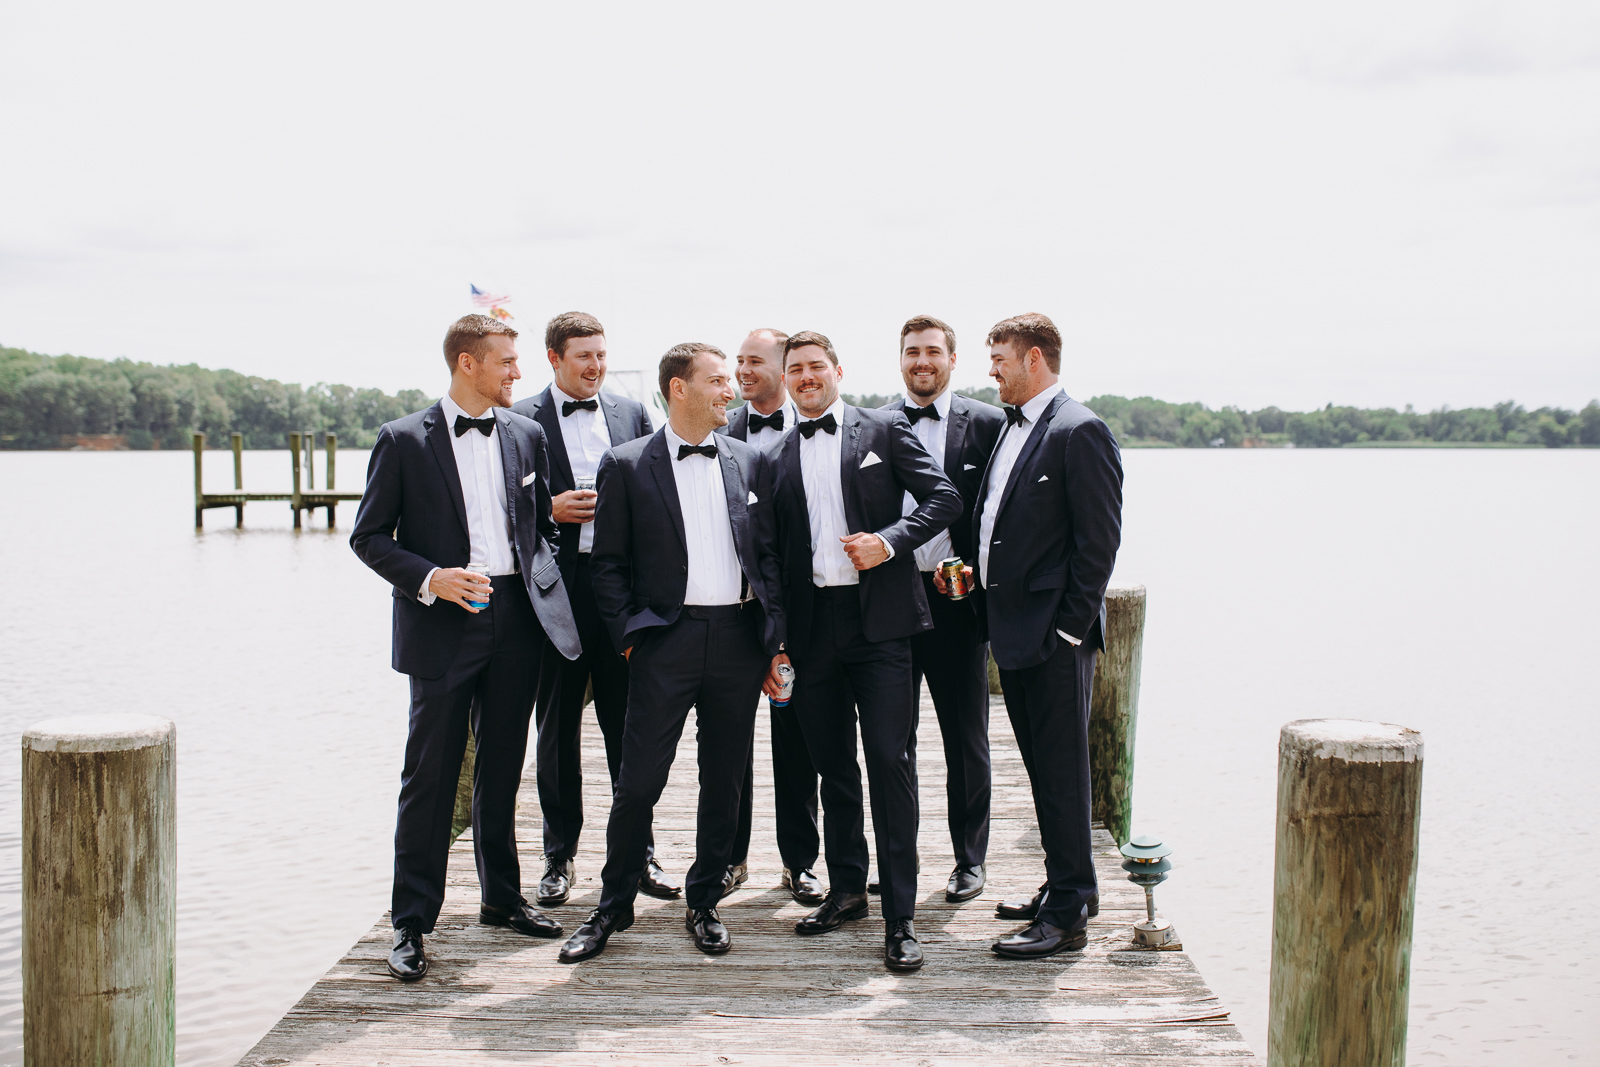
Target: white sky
<point>1236,203</point>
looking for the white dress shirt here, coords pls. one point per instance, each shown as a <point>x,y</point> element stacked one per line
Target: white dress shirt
<point>483,491</point>
<point>587,439</point>
<point>714,571</point>
<point>766,437</point>
<point>1005,457</point>
<point>931,432</point>
<point>819,472</point>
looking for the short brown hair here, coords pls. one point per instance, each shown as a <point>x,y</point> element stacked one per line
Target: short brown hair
<point>567,325</point>
<point>918,323</point>
<point>1032,330</point>
<point>679,363</point>
<point>778,336</point>
<point>469,334</point>
<point>810,337</point>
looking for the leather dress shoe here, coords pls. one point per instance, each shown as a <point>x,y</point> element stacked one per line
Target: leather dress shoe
<point>556,885</point>
<point>407,961</point>
<point>653,882</point>
<point>705,926</point>
<point>1039,940</point>
<point>804,886</point>
<point>522,918</point>
<point>837,910</point>
<point>901,952</point>
<point>738,874</point>
<point>590,938</point>
<point>1027,908</point>
<point>965,883</point>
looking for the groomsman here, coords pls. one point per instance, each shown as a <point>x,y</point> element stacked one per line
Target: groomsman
<point>456,517</point>
<point>960,434</point>
<point>766,414</point>
<point>1048,527</point>
<point>581,423</point>
<point>853,600</point>
<point>686,573</point>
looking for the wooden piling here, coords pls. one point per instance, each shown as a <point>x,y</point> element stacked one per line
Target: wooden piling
<point>331,446</point>
<point>237,439</point>
<point>199,493</point>
<point>1114,710</point>
<point>294,463</point>
<point>98,891</point>
<point>1344,891</point>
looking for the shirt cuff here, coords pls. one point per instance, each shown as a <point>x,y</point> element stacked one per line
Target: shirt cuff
<point>1069,639</point>
<point>887,547</point>
<point>423,594</point>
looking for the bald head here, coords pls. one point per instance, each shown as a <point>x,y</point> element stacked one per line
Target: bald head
<point>760,369</point>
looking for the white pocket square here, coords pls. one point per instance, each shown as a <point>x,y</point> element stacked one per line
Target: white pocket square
<point>752,499</point>
<point>872,458</point>
<point>969,466</point>
<point>1044,477</point>
<point>529,479</point>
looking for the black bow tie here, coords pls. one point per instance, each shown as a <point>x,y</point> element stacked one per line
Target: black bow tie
<point>569,406</point>
<point>1014,416</point>
<point>827,423</point>
<point>775,420</point>
<point>914,413</point>
<point>463,424</point>
<point>709,451</point>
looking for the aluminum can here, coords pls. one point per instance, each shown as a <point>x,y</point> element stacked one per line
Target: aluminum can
<point>786,690</point>
<point>955,578</point>
<point>585,484</point>
<point>483,569</point>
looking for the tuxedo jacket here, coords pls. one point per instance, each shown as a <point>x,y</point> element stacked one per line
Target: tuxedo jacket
<point>640,566</point>
<point>970,435</point>
<point>1055,537</point>
<point>626,420</point>
<point>413,518</point>
<point>893,604</point>
<point>738,426</point>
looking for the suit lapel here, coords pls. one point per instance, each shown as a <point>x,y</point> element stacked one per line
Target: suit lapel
<point>739,424</point>
<point>734,489</point>
<point>616,429</point>
<point>549,416</point>
<point>445,454</point>
<point>1028,448</point>
<point>955,438</point>
<point>849,450</point>
<point>661,468</point>
<point>511,467</point>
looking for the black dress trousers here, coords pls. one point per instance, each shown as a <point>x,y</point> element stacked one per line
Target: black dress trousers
<point>710,659</point>
<point>794,795</point>
<point>1049,709</point>
<point>839,674</point>
<point>489,689</point>
<point>557,755</point>
<point>954,658</point>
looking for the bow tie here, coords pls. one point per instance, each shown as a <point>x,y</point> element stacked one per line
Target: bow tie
<point>1014,416</point>
<point>775,420</point>
<point>914,413</point>
<point>827,423</point>
<point>709,451</point>
<point>463,424</point>
<point>569,406</point>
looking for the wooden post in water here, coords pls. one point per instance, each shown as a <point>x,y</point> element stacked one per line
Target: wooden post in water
<point>99,907</point>
<point>1114,711</point>
<point>311,454</point>
<point>199,493</point>
<point>331,445</point>
<point>294,463</point>
<point>1344,890</point>
<point>238,477</point>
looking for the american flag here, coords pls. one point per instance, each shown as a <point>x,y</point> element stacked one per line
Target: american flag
<point>483,299</point>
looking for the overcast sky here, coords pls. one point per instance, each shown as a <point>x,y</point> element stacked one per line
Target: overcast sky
<point>1236,203</point>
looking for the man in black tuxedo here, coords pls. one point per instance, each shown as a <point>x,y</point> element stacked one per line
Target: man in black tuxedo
<point>1048,525</point>
<point>960,434</point>
<point>853,599</point>
<point>766,414</point>
<point>686,575</point>
<point>456,517</point>
<point>581,423</point>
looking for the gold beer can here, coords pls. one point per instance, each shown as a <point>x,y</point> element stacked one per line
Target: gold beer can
<point>955,578</point>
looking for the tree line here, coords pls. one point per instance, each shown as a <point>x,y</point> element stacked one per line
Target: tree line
<point>49,401</point>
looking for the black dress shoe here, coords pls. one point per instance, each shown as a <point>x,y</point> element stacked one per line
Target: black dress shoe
<point>653,882</point>
<point>556,885</point>
<point>590,938</point>
<point>738,874</point>
<point>522,918</point>
<point>965,883</point>
<point>837,910</point>
<point>1027,908</point>
<point>710,936</point>
<point>804,886</point>
<point>1039,940</point>
<point>407,961</point>
<point>901,952</point>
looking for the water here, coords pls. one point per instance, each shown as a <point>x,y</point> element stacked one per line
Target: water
<point>1449,591</point>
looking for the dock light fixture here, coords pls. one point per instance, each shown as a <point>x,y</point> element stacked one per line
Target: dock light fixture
<point>1147,866</point>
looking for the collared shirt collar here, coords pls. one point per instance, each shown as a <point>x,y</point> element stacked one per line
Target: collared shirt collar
<point>453,411</point>
<point>941,403</point>
<point>791,413</point>
<point>1033,408</point>
<point>837,411</point>
<point>559,396</point>
<point>674,441</point>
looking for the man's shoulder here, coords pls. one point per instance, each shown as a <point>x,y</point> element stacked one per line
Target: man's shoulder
<point>741,449</point>
<point>413,425</point>
<point>977,410</point>
<point>523,422</point>
<point>629,453</point>
<point>627,405</point>
<point>529,406</point>
<point>878,417</point>
<point>1070,414</point>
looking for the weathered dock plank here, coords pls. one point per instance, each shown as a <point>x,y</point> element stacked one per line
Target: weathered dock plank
<point>495,997</point>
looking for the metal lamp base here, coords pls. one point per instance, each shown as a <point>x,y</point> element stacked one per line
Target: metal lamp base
<point>1157,933</point>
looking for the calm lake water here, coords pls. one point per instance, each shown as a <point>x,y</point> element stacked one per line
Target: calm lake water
<point>1451,591</point>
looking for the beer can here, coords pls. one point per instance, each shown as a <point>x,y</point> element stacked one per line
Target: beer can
<point>786,689</point>
<point>483,569</point>
<point>955,578</point>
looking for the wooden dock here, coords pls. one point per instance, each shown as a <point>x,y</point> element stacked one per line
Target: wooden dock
<point>494,997</point>
<point>300,498</point>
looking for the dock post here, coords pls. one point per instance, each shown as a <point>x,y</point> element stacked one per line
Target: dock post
<point>199,494</point>
<point>1114,711</point>
<point>237,440</point>
<point>311,453</point>
<point>1344,890</point>
<point>99,907</point>
<point>331,446</point>
<point>294,463</point>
